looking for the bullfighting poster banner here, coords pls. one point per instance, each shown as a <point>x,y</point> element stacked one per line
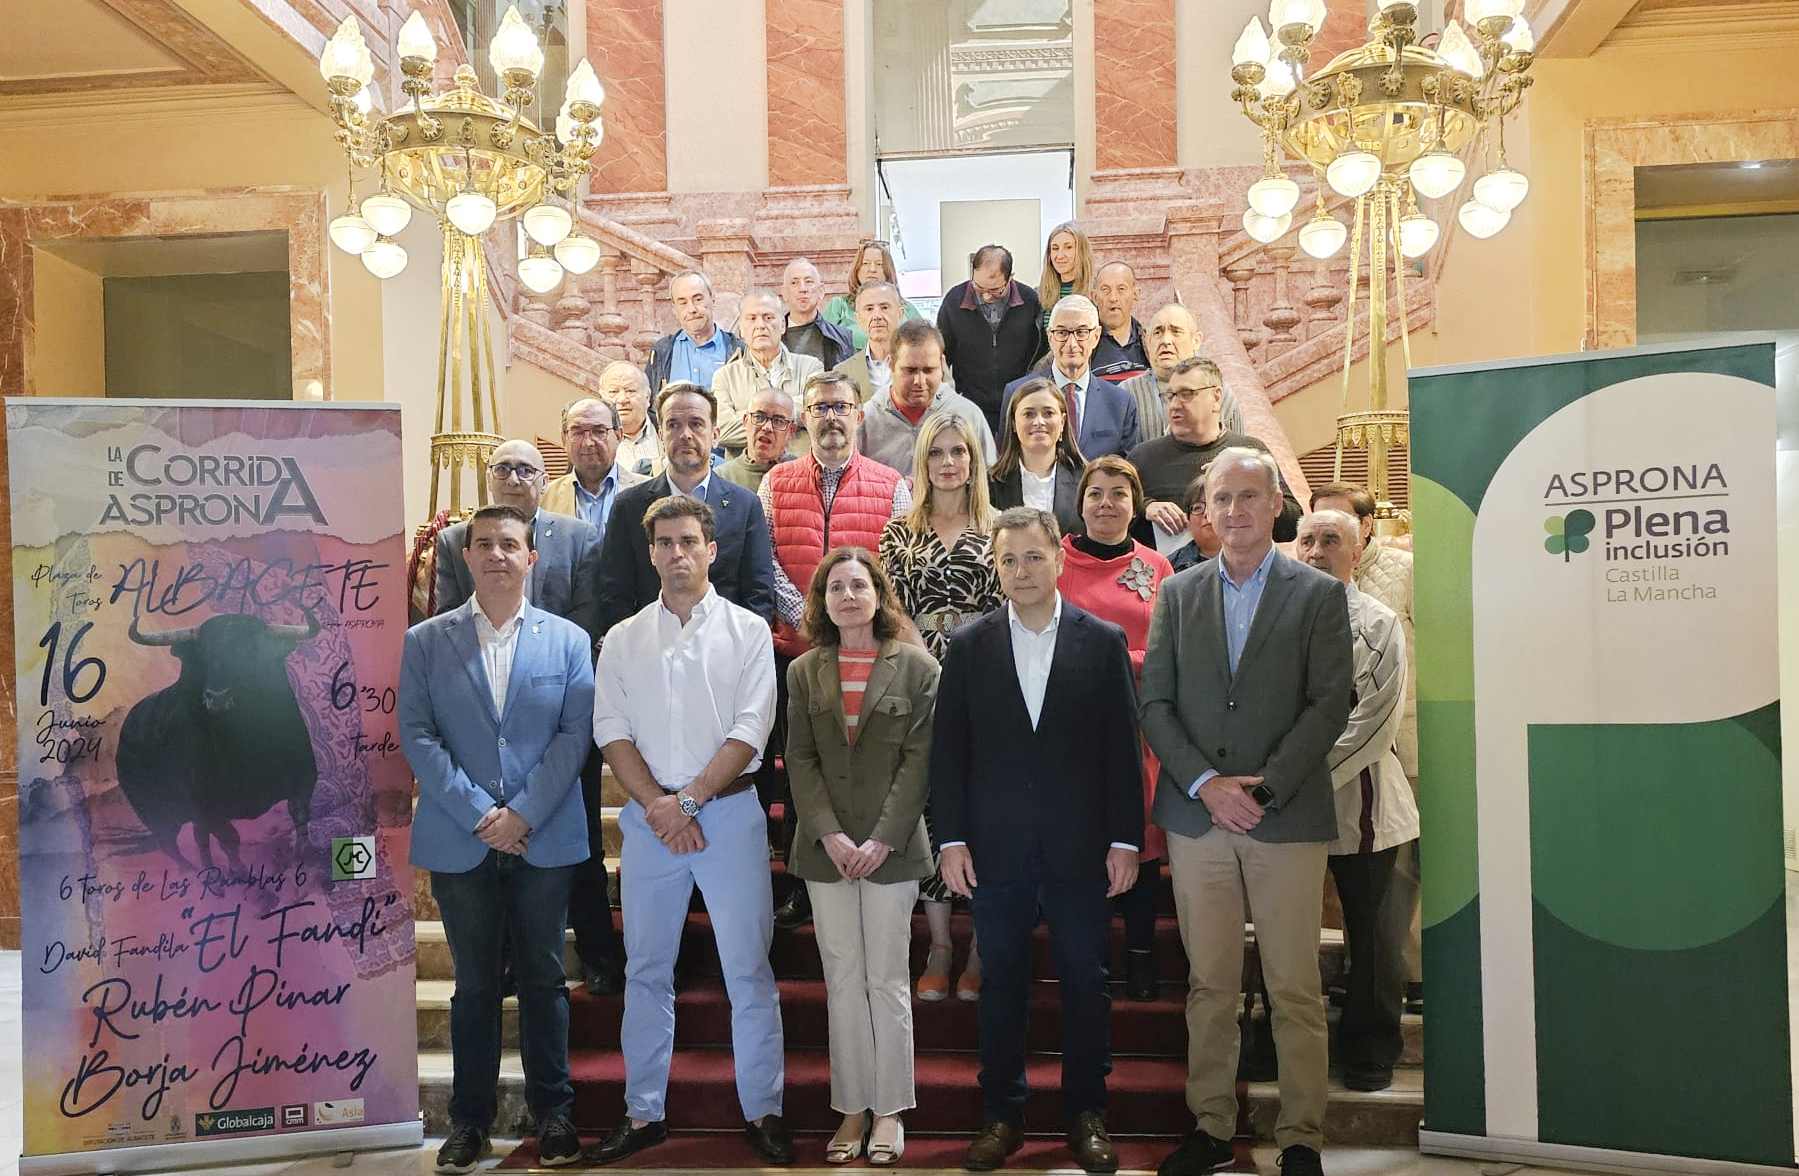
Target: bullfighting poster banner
<point>1606,882</point>
<point>209,602</point>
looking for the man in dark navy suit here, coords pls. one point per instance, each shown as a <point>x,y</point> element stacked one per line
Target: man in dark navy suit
<point>1041,796</point>
<point>1101,415</point>
<point>744,570</point>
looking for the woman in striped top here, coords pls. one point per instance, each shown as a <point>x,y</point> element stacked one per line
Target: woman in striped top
<point>859,712</point>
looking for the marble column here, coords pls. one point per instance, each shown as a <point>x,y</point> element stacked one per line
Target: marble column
<point>807,132</point>
<point>624,46</point>
<point>1133,83</point>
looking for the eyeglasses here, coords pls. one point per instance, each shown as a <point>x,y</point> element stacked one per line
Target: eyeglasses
<point>1188,395</point>
<point>597,432</point>
<point>1064,334</point>
<point>524,471</point>
<point>762,419</point>
<point>830,408</point>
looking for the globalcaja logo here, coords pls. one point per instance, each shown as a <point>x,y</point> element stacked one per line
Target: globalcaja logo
<point>232,1122</point>
<point>1568,533</point>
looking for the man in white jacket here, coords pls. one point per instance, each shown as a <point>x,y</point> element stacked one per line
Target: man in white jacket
<point>1377,817</point>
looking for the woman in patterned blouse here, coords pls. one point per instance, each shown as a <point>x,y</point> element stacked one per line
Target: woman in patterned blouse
<point>941,564</point>
<point>1116,579</point>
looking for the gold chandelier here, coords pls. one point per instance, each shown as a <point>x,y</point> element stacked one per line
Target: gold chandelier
<point>469,161</point>
<point>1382,124</point>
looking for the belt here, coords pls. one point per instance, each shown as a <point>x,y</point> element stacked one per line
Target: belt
<point>944,620</point>
<point>741,784</point>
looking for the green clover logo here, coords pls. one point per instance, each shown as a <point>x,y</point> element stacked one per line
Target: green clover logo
<point>1568,533</point>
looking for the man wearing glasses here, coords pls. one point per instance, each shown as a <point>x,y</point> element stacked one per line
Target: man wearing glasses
<point>1193,400</point>
<point>562,580</point>
<point>769,424</point>
<point>590,437</point>
<point>1101,416</point>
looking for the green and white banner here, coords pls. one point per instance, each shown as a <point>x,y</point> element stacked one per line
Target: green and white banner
<point>1605,910</point>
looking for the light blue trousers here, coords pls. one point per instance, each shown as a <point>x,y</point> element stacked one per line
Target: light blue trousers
<point>655,889</point>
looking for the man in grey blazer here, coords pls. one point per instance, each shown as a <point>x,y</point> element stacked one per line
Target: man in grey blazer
<point>1246,687</point>
<point>565,577</point>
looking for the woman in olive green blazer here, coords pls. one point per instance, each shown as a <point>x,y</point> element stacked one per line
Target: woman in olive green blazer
<point>858,742</point>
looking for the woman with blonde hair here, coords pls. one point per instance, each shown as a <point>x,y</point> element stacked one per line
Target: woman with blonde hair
<point>872,263</point>
<point>858,743</point>
<point>1067,267</point>
<point>941,562</point>
<point>1039,462</point>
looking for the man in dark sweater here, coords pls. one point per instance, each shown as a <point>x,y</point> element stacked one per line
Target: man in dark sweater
<point>1194,397</point>
<point>992,328</point>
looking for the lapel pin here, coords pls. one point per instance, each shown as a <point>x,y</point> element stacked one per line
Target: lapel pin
<point>536,626</point>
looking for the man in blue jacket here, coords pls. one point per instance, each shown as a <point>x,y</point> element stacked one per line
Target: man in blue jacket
<point>496,715</point>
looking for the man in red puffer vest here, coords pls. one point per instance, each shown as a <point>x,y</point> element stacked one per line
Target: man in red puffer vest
<point>831,497</point>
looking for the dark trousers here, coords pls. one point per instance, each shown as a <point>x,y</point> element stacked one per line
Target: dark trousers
<point>507,899</point>
<point>1080,916</point>
<point>1375,930</point>
<point>1137,906</point>
<point>589,905</point>
<point>771,784</point>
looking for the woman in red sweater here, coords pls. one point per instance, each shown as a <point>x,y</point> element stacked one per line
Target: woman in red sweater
<point>1115,578</point>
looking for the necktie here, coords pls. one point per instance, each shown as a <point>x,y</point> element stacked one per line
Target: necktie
<point>1074,412</point>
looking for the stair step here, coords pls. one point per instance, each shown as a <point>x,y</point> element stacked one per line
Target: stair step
<point>795,953</point>
<point>1147,1097</point>
<point>703,1018</point>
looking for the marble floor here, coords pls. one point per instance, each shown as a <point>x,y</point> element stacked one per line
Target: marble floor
<point>1342,1162</point>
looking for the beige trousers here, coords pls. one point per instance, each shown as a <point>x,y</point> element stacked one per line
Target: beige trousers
<point>1216,878</point>
<point>864,940</point>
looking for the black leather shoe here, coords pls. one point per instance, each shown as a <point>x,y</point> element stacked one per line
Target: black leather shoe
<point>1199,1153</point>
<point>463,1151</point>
<point>557,1144</point>
<point>992,1144</point>
<point>770,1140</point>
<point>625,1140</point>
<point>796,912</point>
<point>1140,975</point>
<point>1091,1146</point>
<point>1300,1160</point>
<point>608,979</point>
<point>1367,1077</point>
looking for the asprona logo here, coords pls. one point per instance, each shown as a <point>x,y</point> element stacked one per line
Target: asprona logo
<point>1656,512</point>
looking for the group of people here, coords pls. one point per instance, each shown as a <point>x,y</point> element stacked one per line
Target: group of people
<point>1023,674</point>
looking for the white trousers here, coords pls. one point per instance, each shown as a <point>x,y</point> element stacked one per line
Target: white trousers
<point>864,939</point>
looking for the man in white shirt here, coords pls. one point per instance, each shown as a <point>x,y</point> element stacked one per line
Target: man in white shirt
<point>1037,788</point>
<point>689,694</point>
<point>495,711</point>
<point>1377,818</point>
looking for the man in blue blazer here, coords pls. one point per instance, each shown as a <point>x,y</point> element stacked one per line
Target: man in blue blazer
<point>1102,415</point>
<point>496,716</point>
<point>1037,788</point>
<point>743,573</point>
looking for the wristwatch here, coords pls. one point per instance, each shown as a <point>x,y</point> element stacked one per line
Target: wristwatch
<point>1262,795</point>
<point>690,807</point>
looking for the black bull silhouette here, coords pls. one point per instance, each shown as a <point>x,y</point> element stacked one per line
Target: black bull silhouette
<point>226,742</point>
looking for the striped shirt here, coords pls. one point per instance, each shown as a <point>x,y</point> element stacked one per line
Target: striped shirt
<point>853,666</point>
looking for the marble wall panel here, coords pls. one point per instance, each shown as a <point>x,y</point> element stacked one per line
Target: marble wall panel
<point>807,133</point>
<point>1613,150</point>
<point>1133,83</point>
<point>624,46</point>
